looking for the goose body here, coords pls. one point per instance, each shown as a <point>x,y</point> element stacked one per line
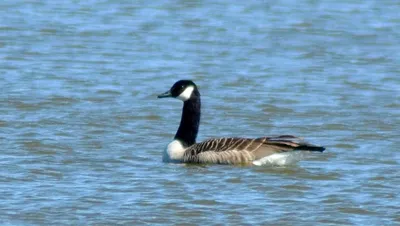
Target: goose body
<point>235,150</point>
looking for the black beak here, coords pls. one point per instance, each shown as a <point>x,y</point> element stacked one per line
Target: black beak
<point>166,94</point>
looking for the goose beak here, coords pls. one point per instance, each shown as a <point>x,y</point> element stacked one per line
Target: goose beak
<point>166,94</point>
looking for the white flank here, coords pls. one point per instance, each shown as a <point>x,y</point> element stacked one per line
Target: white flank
<point>174,152</point>
<point>185,95</point>
<point>280,159</point>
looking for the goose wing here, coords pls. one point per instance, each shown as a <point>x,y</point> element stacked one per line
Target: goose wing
<point>244,150</point>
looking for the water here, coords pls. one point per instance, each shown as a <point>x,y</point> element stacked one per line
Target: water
<point>82,132</point>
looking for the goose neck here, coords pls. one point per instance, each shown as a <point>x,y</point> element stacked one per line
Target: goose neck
<point>190,121</point>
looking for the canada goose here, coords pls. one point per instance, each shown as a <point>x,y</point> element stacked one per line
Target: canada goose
<point>258,151</point>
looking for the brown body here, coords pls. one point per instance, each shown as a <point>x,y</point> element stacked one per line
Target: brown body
<point>244,150</point>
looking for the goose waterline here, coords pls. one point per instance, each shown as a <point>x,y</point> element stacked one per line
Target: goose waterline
<point>278,150</point>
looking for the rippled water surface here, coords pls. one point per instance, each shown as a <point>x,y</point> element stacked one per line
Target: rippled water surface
<point>82,131</point>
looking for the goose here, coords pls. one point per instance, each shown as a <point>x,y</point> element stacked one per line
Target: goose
<point>278,150</point>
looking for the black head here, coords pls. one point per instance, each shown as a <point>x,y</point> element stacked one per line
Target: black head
<point>182,89</point>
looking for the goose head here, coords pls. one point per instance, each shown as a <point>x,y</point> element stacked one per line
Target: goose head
<point>182,90</point>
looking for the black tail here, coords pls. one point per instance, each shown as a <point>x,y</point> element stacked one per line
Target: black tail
<point>296,143</point>
<point>310,147</point>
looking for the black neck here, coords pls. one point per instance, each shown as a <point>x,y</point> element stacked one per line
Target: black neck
<point>190,121</point>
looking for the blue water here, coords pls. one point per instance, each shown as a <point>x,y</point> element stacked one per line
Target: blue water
<point>82,131</point>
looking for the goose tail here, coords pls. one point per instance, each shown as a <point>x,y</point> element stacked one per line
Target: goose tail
<point>297,143</point>
<point>310,147</point>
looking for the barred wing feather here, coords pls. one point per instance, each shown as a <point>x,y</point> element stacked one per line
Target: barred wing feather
<point>244,150</point>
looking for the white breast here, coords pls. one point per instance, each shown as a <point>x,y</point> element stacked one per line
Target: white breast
<point>174,152</point>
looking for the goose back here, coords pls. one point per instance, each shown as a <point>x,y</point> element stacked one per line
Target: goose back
<point>244,150</point>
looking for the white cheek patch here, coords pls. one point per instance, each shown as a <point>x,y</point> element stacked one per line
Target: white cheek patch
<point>185,95</point>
